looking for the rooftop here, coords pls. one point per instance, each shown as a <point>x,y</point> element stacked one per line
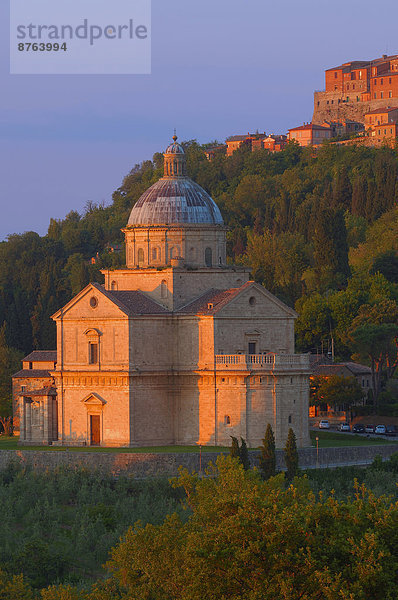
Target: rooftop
<point>174,201</point>
<point>41,356</point>
<point>309,126</point>
<point>336,368</point>
<point>379,111</point>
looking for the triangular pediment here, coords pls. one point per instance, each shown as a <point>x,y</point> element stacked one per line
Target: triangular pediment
<point>94,399</point>
<point>92,302</point>
<point>254,299</point>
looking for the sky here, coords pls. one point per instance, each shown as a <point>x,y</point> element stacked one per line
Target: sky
<point>219,68</point>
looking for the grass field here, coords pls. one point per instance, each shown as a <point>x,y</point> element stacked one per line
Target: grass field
<point>327,439</point>
<point>331,439</point>
<point>11,443</point>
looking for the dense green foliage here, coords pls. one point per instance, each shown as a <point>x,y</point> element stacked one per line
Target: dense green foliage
<point>336,391</point>
<point>318,229</point>
<point>226,535</point>
<point>69,520</point>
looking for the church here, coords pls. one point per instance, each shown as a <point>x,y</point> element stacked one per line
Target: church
<point>177,348</point>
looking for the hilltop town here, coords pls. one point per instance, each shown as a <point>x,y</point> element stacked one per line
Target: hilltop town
<point>359,105</point>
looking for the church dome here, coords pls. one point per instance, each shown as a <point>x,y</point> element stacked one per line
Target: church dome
<point>175,199</point>
<point>172,201</point>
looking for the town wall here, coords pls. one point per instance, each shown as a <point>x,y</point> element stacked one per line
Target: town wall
<point>329,106</point>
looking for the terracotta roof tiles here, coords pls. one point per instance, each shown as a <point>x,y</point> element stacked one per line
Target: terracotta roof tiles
<point>41,356</point>
<point>31,373</point>
<point>212,301</point>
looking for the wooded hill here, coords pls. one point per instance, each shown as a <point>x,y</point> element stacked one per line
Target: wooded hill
<point>318,228</point>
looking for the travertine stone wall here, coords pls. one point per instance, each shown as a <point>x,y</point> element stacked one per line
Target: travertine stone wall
<point>156,245</point>
<point>168,464</point>
<point>174,287</point>
<point>326,111</point>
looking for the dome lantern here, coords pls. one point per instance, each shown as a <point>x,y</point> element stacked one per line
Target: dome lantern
<point>174,160</point>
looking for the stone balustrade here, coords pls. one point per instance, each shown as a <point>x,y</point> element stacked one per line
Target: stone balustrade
<point>267,362</point>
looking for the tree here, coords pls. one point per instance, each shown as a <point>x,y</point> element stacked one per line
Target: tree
<point>234,449</point>
<point>373,336</point>
<point>13,587</point>
<point>291,455</point>
<point>9,364</point>
<point>244,454</point>
<point>240,452</point>
<point>387,264</point>
<point>335,391</point>
<point>267,456</point>
<point>253,539</point>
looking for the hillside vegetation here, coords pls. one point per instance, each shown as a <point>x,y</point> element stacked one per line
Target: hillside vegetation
<point>318,229</point>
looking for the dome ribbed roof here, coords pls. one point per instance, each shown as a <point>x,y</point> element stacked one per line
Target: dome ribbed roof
<point>175,148</point>
<point>175,200</point>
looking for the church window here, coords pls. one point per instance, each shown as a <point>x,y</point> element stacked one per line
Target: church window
<point>290,419</point>
<point>155,254</point>
<point>208,257</point>
<point>113,285</point>
<point>227,420</point>
<point>252,347</point>
<point>140,257</point>
<point>93,353</point>
<point>252,301</point>
<point>93,302</point>
<point>175,252</point>
<point>23,388</point>
<point>163,289</point>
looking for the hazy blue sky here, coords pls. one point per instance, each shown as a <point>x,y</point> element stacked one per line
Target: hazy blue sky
<point>219,67</point>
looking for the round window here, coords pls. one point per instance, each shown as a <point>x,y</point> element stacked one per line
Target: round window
<point>252,301</point>
<point>93,302</point>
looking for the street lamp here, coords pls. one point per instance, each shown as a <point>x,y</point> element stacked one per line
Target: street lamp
<point>317,452</point>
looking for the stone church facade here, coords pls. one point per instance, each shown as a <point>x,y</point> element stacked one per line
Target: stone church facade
<point>176,348</point>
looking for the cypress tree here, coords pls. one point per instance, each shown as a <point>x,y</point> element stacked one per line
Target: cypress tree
<point>267,456</point>
<point>234,449</point>
<point>291,455</point>
<point>244,455</point>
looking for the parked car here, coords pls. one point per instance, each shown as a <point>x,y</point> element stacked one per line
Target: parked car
<point>391,430</point>
<point>380,429</point>
<point>369,428</point>
<point>324,424</point>
<point>345,427</point>
<point>358,428</point>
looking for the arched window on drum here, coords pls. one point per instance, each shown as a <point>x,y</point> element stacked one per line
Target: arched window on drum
<point>140,257</point>
<point>175,252</point>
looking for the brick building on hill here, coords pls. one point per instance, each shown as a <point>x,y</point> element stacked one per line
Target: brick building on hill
<point>256,141</point>
<point>310,134</point>
<point>356,88</point>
